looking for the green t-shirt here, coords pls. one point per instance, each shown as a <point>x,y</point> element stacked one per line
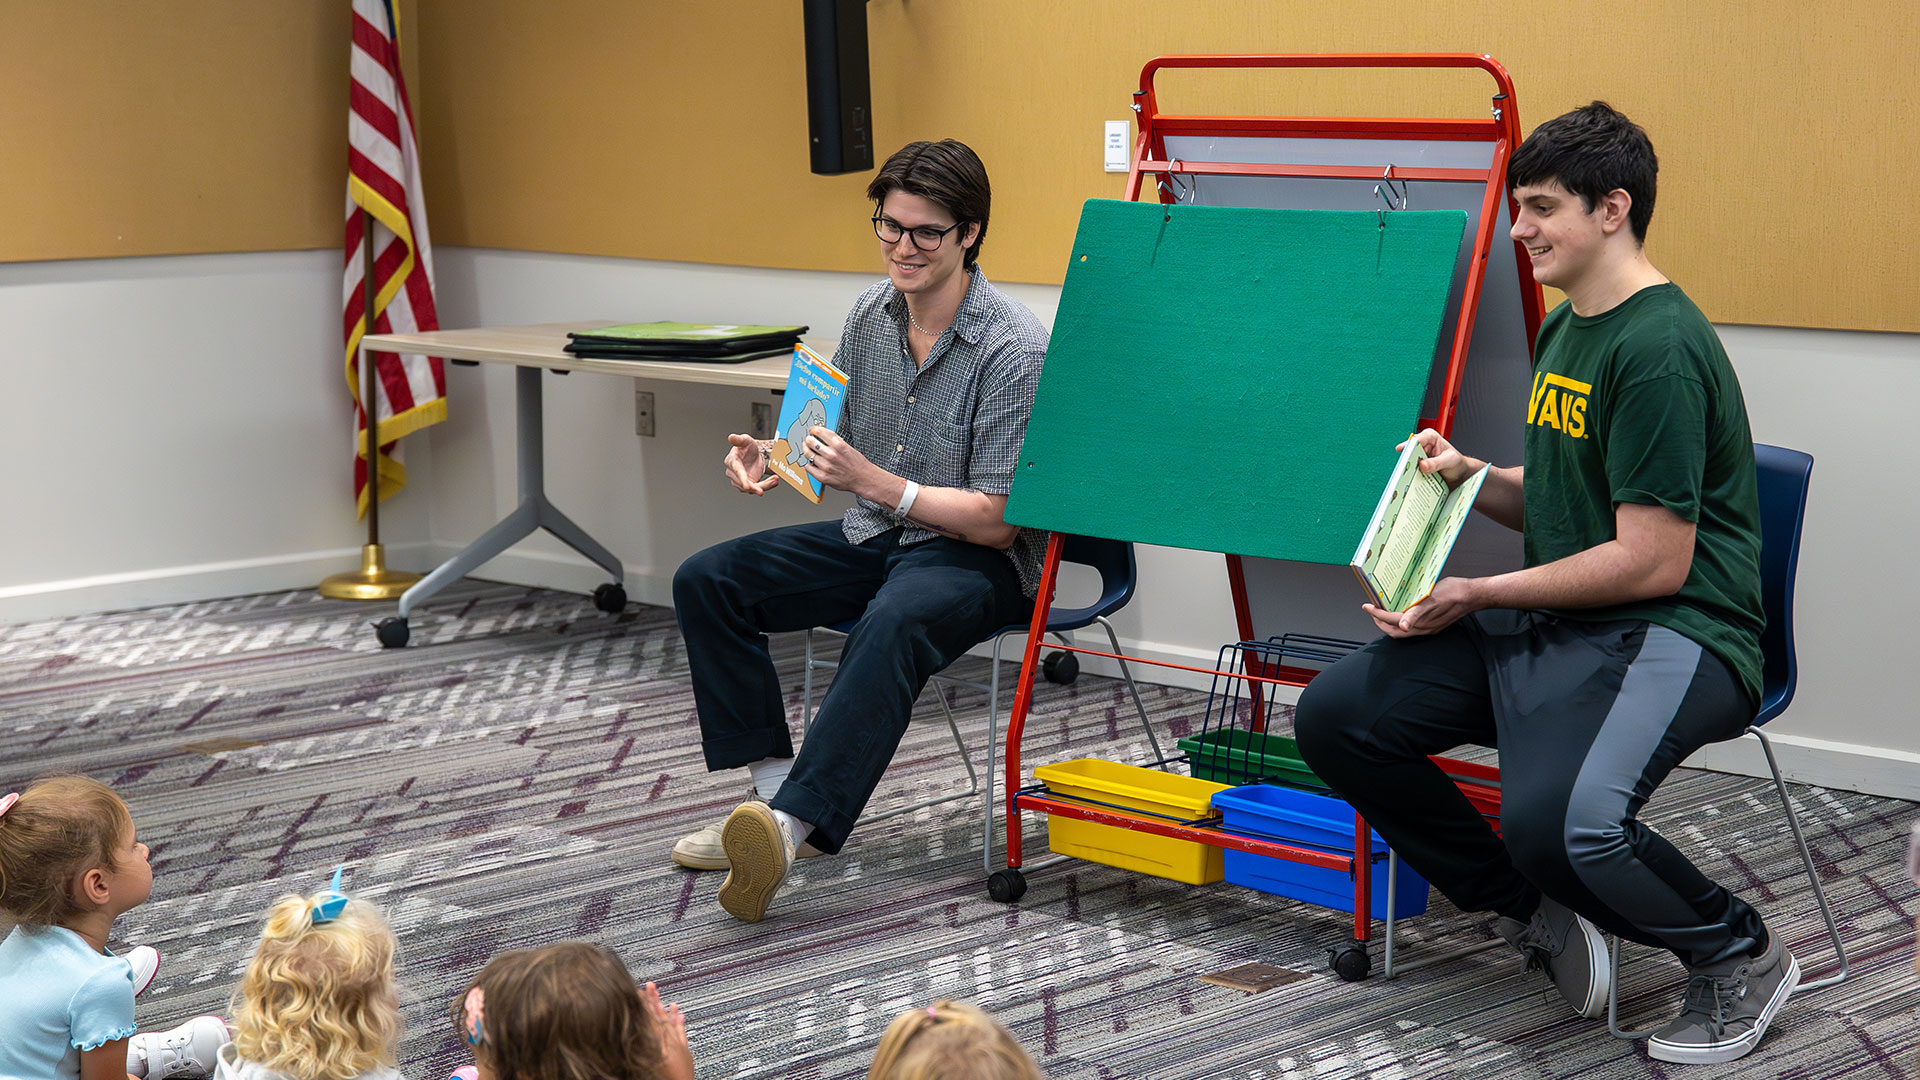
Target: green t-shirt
<point>1639,404</point>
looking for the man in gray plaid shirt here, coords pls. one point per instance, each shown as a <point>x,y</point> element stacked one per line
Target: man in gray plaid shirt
<point>943,368</point>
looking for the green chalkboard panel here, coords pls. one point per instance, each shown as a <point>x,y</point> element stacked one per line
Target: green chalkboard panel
<point>1234,379</point>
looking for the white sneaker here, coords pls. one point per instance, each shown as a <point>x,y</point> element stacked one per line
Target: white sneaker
<point>757,843</point>
<point>702,850</point>
<point>145,962</point>
<point>187,1052</point>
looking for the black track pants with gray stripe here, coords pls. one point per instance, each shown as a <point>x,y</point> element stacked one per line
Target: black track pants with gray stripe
<point>1588,719</point>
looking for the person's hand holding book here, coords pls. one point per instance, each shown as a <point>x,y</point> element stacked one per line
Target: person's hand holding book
<point>1442,458</point>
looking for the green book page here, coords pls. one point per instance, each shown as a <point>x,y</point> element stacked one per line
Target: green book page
<point>1403,553</point>
<point>1233,379</point>
<point>1448,519</point>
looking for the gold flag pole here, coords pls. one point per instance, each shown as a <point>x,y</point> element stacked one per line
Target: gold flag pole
<point>373,581</point>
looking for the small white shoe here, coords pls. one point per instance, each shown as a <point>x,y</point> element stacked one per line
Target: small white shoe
<point>145,962</point>
<point>188,1052</point>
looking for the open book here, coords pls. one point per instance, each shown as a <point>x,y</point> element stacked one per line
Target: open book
<point>815,389</point>
<point>1412,531</point>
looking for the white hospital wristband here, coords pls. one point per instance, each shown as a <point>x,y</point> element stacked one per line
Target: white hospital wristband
<point>906,499</point>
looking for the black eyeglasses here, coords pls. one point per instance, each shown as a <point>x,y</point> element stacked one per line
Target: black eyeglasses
<point>925,237</point>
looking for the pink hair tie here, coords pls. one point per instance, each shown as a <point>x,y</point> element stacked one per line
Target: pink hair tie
<point>931,1013</point>
<point>7,801</point>
<point>475,1013</point>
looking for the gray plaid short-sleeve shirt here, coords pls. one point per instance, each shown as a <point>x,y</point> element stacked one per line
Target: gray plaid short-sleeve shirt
<point>958,420</point>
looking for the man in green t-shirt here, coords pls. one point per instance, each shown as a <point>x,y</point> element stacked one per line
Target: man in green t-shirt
<point>1629,640</point>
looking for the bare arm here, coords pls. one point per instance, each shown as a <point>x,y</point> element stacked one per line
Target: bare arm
<point>1650,556</point>
<point>957,513</point>
<point>108,1061</point>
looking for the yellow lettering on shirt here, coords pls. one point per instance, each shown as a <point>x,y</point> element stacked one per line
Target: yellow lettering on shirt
<point>1559,403</point>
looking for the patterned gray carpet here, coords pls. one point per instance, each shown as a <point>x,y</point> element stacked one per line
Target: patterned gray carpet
<point>516,776</point>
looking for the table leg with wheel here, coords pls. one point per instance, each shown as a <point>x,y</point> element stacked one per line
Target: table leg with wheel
<point>533,513</point>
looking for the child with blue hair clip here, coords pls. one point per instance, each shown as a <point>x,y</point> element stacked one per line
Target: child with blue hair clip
<point>318,1001</point>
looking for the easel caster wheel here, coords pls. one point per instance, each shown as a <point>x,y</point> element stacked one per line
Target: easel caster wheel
<point>1007,885</point>
<point>610,598</point>
<point>1060,667</point>
<point>392,632</point>
<point>1350,961</point>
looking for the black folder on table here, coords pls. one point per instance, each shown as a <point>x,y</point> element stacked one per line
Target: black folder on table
<point>684,342</point>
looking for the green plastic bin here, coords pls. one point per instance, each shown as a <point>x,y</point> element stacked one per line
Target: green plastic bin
<point>1233,756</point>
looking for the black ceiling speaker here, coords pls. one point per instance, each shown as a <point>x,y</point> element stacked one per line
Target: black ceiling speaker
<point>839,95</point>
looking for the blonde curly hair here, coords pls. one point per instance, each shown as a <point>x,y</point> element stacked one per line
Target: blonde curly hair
<point>950,1040</point>
<point>319,1002</point>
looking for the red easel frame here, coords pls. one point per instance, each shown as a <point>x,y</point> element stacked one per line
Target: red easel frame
<point>1150,158</point>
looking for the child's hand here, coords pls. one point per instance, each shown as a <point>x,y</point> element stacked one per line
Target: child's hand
<point>676,1057</point>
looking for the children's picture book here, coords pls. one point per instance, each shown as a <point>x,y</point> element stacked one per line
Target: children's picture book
<point>815,391</point>
<point>1412,532</point>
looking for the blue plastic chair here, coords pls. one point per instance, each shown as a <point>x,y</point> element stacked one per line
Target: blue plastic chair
<point>1784,477</point>
<point>1113,561</point>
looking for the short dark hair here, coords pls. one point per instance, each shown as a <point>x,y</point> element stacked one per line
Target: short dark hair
<point>1591,151</point>
<point>947,172</point>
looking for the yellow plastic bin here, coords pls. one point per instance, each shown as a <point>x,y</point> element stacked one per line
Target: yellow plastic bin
<point>1135,788</point>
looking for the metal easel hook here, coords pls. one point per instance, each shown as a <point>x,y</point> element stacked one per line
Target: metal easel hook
<point>1387,192</point>
<point>1172,188</point>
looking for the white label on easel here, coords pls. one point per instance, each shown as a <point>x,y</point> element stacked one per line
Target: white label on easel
<point>1117,132</point>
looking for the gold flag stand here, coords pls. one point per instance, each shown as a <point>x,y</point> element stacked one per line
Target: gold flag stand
<point>373,581</point>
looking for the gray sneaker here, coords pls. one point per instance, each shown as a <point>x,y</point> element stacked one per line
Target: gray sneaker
<point>1571,951</point>
<point>1728,1007</point>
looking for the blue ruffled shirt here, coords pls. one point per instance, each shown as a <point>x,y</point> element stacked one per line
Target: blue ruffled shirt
<point>60,998</point>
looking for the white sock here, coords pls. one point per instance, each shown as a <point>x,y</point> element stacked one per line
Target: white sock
<point>769,774</point>
<point>798,829</point>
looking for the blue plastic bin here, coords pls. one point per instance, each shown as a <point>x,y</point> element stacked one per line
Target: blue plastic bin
<point>1269,812</point>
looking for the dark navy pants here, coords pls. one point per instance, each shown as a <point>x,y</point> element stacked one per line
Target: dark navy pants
<point>1588,717</point>
<point>919,608</point>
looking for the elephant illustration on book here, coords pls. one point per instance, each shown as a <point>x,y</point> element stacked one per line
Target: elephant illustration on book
<point>813,414</point>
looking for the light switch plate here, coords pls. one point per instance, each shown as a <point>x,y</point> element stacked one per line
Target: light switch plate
<point>1116,145</point>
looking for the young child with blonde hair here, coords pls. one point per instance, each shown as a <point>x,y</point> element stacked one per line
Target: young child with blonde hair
<point>569,1012</point>
<point>318,1000</point>
<point>950,1040</point>
<point>69,866</point>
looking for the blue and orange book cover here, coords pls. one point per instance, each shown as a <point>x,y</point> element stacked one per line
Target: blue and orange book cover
<point>815,391</point>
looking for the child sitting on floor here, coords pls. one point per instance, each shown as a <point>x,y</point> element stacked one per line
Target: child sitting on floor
<point>70,866</point>
<point>570,1012</point>
<point>318,1000</point>
<point>950,1040</point>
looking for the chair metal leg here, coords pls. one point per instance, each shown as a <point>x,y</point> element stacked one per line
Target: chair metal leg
<point>1813,878</point>
<point>1139,707</point>
<point>966,756</point>
<point>1613,996</point>
<point>1806,859</point>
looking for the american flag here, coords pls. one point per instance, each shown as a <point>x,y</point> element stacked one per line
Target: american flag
<point>383,178</point>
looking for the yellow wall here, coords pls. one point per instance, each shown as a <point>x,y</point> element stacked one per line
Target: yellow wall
<point>136,128</point>
<point>676,129</point>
